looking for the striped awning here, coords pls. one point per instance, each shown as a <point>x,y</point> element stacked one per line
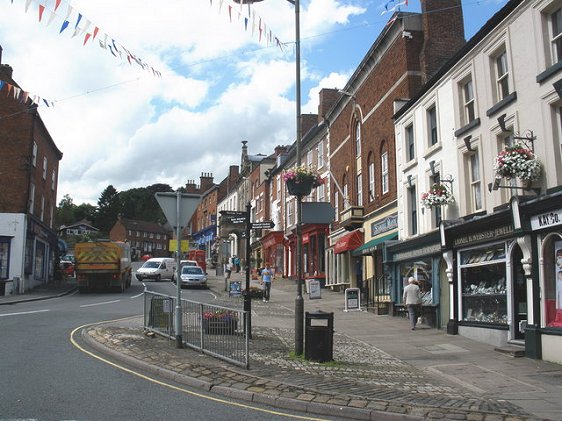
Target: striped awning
<point>372,245</point>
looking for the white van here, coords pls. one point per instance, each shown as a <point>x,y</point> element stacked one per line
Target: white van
<point>157,268</point>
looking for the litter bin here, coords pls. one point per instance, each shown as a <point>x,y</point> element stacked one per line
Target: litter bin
<point>319,336</point>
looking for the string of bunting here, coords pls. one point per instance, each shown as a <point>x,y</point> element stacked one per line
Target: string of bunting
<point>251,21</point>
<point>82,27</point>
<point>22,96</point>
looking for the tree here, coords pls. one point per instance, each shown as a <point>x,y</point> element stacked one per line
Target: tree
<point>140,203</point>
<point>65,211</point>
<point>109,207</point>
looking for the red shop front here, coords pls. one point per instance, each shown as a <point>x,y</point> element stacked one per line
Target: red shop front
<point>313,251</point>
<point>272,246</point>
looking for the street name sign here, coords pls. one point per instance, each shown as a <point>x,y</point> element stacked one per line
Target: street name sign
<point>264,225</point>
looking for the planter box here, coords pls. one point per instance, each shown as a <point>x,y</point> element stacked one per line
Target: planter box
<point>220,327</point>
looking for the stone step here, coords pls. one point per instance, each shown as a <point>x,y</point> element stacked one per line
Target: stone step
<point>514,351</point>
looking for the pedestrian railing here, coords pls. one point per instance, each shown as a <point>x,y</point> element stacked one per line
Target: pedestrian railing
<point>215,330</point>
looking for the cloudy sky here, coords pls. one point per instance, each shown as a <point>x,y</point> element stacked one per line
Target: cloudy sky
<point>117,123</point>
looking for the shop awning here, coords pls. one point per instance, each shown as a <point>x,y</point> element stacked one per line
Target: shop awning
<point>349,242</point>
<point>371,246</point>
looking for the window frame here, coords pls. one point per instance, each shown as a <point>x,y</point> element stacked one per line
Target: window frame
<point>410,142</point>
<point>371,173</point>
<point>385,179</point>
<point>432,130</point>
<point>501,73</point>
<point>475,184</point>
<point>555,41</point>
<point>358,139</point>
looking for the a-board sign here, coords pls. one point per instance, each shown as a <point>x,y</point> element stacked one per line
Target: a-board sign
<point>235,288</point>
<point>314,291</point>
<point>352,299</point>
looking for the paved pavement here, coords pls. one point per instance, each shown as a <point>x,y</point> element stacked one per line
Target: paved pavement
<point>382,369</point>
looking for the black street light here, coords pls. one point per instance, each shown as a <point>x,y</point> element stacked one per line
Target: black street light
<point>299,301</point>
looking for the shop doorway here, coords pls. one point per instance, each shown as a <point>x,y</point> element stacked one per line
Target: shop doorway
<point>519,295</point>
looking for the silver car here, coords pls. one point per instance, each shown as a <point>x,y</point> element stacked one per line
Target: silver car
<point>193,276</point>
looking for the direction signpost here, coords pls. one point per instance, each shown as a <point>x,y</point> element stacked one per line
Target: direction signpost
<point>264,225</point>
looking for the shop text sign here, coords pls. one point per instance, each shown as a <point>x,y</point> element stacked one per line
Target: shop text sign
<point>385,225</point>
<point>484,235</point>
<point>544,220</point>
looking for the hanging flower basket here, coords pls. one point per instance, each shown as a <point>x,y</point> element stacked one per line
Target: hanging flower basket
<point>517,161</point>
<point>301,180</point>
<point>438,195</point>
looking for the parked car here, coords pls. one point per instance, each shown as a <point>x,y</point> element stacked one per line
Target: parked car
<point>66,265</point>
<point>157,268</point>
<point>188,263</point>
<point>193,276</point>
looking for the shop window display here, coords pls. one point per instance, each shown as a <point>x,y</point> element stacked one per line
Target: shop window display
<point>553,283</point>
<point>421,271</point>
<point>483,285</point>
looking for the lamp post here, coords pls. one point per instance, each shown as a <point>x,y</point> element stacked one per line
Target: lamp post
<point>299,301</point>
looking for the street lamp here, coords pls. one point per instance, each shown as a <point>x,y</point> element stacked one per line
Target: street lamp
<point>299,301</point>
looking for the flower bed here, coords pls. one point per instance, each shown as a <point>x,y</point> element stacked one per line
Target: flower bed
<point>517,161</point>
<point>255,292</point>
<point>438,195</point>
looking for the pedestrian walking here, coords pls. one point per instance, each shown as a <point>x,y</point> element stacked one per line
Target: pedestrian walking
<point>237,263</point>
<point>412,300</point>
<point>266,275</point>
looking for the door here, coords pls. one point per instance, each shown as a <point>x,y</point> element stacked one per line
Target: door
<point>519,295</point>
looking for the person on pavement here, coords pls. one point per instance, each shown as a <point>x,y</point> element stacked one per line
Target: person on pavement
<point>412,300</point>
<point>266,275</point>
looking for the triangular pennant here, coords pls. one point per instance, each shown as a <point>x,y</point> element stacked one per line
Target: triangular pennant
<point>41,10</point>
<point>10,86</point>
<point>17,92</point>
<point>86,38</point>
<point>1,84</point>
<point>230,13</point>
<point>27,3</point>
<point>64,26</point>
<point>57,4</point>
<point>51,17</point>
<point>78,20</point>
<point>24,97</point>
<point>246,24</point>
<point>46,102</point>
<point>96,30</point>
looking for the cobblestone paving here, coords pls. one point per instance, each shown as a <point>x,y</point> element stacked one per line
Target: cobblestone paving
<point>362,376</point>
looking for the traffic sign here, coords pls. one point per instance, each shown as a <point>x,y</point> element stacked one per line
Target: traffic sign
<point>264,225</point>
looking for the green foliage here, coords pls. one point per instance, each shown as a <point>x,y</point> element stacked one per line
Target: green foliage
<point>137,203</point>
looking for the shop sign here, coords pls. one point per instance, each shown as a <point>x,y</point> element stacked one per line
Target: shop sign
<point>235,289</point>
<point>352,299</point>
<point>423,251</point>
<point>384,225</point>
<point>488,235</point>
<point>545,220</point>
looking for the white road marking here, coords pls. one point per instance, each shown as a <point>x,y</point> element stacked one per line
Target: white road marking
<point>100,304</point>
<point>23,312</point>
<point>138,295</point>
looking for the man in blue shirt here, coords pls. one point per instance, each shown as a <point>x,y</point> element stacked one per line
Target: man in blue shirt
<point>266,275</point>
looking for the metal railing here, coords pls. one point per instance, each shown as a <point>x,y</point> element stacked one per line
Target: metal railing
<point>378,293</point>
<point>215,330</point>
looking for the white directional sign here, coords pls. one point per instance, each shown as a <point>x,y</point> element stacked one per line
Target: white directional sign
<point>264,225</point>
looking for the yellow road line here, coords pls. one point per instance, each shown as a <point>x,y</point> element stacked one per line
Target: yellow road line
<point>176,388</point>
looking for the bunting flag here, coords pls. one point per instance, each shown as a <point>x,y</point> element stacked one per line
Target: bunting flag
<point>81,25</point>
<point>23,96</point>
<point>392,5</point>
<point>252,20</point>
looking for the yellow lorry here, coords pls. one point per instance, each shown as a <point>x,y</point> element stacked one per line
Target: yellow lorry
<point>103,264</point>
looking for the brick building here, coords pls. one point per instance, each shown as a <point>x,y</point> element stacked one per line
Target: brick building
<point>29,167</point>
<point>362,142</point>
<point>144,237</point>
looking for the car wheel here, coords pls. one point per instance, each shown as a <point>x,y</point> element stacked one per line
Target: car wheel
<point>157,279</point>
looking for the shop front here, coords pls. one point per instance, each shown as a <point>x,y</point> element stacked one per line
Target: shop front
<point>375,283</point>
<point>421,258</point>
<point>486,256</point>
<point>343,269</point>
<point>314,252</point>
<point>272,247</point>
<point>541,221</point>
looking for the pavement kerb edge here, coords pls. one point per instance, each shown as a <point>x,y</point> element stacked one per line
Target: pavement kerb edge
<point>274,401</point>
<point>45,297</point>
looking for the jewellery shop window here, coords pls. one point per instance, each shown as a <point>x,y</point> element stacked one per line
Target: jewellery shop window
<point>422,273</point>
<point>483,285</point>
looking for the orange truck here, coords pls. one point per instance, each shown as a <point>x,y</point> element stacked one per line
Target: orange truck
<point>103,264</point>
